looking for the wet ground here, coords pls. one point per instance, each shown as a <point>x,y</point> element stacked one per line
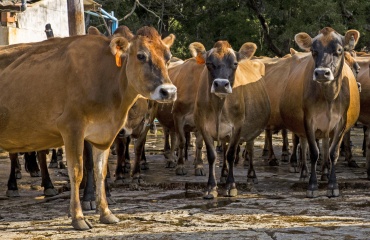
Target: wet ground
<point>172,207</point>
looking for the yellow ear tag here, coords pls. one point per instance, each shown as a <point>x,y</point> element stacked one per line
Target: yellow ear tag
<point>200,59</point>
<point>118,57</point>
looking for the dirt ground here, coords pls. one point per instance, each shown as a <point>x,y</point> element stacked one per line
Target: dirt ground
<point>172,207</point>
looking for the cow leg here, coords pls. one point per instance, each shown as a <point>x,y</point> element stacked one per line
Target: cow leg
<point>120,148</point>
<point>54,159</point>
<point>272,158</point>
<point>60,158</point>
<point>139,149</point>
<point>167,147</point>
<point>180,133</point>
<point>367,138</point>
<point>46,182</point>
<point>225,166</point>
<point>312,189</point>
<point>348,151</point>
<point>31,165</point>
<point>304,168</point>
<point>325,160</point>
<point>237,157</point>
<point>211,191</point>
<point>198,161</point>
<point>88,199</point>
<point>171,163</point>
<point>251,177</point>
<point>364,150</point>
<point>100,169</point>
<point>293,158</point>
<point>265,151</point>
<point>127,164</point>
<point>74,155</point>
<point>285,150</point>
<point>231,190</point>
<point>333,188</point>
<point>187,144</point>
<point>12,182</point>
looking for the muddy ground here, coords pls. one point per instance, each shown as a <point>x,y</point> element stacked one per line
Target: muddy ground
<point>172,207</point>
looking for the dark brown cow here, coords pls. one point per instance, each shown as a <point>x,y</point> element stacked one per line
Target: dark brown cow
<point>95,92</point>
<point>321,100</point>
<point>231,104</point>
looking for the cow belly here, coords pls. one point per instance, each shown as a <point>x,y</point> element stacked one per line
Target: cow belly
<point>324,125</point>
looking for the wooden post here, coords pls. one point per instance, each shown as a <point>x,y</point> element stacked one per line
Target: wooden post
<point>76,20</point>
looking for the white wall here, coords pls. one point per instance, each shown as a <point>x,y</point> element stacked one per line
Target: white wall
<point>31,23</point>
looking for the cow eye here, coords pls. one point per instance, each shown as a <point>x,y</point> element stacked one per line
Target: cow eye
<point>339,50</point>
<point>141,57</point>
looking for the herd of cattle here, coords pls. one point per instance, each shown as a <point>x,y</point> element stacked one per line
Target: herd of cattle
<point>89,92</point>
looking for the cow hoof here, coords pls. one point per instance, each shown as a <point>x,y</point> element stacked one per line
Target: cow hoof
<point>233,192</point>
<point>81,224</point>
<point>144,166</point>
<point>50,192</point>
<point>62,165</point>
<point>181,171</point>
<point>35,174</point>
<point>312,193</point>
<point>111,201</point>
<point>199,171</point>
<point>138,180</point>
<point>170,164</point>
<point>252,180</point>
<point>211,194</point>
<point>88,205</point>
<point>353,164</point>
<point>109,219</point>
<point>53,165</point>
<point>18,175</point>
<point>12,193</point>
<point>273,162</point>
<point>332,193</point>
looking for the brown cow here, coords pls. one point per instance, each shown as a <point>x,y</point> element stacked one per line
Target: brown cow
<point>231,104</point>
<point>321,100</point>
<point>95,92</point>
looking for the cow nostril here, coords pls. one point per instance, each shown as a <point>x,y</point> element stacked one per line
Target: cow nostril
<point>316,74</point>
<point>216,84</point>
<point>227,84</point>
<point>164,93</point>
<point>327,73</point>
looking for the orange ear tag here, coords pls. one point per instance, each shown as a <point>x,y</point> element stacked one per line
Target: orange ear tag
<point>200,59</point>
<point>118,57</point>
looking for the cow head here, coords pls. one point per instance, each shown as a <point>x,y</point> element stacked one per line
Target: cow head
<point>222,62</point>
<point>147,57</point>
<point>327,50</point>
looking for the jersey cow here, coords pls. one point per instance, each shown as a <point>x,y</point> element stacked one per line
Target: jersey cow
<point>321,100</point>
<point>98,79</point>
<point>231,104</point>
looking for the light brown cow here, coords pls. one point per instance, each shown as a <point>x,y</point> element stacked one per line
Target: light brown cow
<point>231,104</point>
<point>95,92</point>
<point>321,99</point>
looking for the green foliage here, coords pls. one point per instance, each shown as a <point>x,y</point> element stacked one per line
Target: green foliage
<point>207,21</point>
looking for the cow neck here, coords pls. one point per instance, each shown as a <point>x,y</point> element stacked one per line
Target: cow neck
<point>218,106</point>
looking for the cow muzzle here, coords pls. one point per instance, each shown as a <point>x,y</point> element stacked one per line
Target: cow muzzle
<point>323,75</point>
<point>164,93</point>
<point>221,87</point>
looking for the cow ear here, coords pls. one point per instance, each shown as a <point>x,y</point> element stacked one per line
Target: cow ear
<point>351,38</point>
<point>246,51</point>
<point>118,46</point>
<point>304,41</point>
<point>168,41</point>
<point>93,31</point>
<point>198,51</point>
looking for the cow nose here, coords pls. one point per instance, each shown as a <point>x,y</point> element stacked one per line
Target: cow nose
<point>323,74</point>
<point>165,93</point>
<point>221,86</point>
